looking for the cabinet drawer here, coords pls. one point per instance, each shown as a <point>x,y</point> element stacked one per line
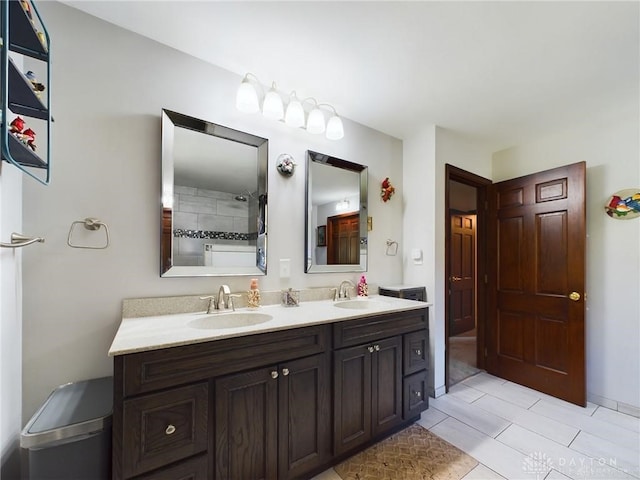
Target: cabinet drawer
<point>169,367</point>
<point>415,352</point>
<point>356,332</point>
<point>164,427</point>
<point>193,469</point>
<point>415,397</point>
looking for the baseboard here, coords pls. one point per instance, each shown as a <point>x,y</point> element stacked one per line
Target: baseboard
<point>613,405</point>
<point>438,391</point>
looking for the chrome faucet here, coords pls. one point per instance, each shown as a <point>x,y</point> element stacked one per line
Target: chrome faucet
<point>222,301</point>
<point>223,296</point>
<point>343,291</point>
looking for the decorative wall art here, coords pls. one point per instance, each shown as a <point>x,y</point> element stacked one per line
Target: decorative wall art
<point>322,236</point>
<point>285,165</point>
<point>386,190</point>
<point>624,205</point>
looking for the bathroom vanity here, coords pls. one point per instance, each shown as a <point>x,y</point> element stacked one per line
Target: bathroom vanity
<point>286,397</point>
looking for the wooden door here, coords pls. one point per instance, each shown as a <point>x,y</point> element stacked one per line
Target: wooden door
<point>386,388</point>
<point>247,426</point>
<point>462,268</point>
<point>343,239</point>
<point>536,312</point>
<point>304,415</point>
<point>352,394</point>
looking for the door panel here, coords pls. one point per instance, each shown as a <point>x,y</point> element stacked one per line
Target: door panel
<point>463,277</point>
<point>343,239</point>
<point>304,417</point>
<point>352,391</point>
<point>247,426</point>
<point>387,384</point>
<point>537,252</point>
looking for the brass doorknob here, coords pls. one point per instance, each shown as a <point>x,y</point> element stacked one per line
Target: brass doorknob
<point>456,279</point>
<point>575,296</point>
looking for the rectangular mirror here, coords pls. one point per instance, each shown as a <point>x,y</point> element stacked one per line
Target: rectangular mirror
<point>336,215</point>
<point>214,199</point>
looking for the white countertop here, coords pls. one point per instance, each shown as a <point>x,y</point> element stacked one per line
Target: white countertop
<point>162,331</point>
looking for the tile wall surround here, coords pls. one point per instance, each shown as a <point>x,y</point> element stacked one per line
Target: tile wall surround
<point>201,216</point>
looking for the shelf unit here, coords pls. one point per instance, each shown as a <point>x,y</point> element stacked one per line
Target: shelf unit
<point>21,36</point>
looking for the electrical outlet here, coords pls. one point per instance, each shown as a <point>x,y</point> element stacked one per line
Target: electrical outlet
<point>285,268</point>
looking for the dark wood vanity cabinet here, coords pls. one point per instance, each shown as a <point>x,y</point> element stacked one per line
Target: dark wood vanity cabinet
<point>371,380</point>
<point>280,405</point>
<point>368,392</point>
<point>274,422</point>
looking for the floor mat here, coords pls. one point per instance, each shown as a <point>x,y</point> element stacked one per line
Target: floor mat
<point>411,454</point>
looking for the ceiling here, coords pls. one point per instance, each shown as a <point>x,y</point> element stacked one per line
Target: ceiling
<point>498,72</point>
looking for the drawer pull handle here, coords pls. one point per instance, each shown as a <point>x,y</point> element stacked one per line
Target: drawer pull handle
<point>285,371</point>
<point>170,430</point>
<point>370,349</point>
<point>377,348</point>
<point>274,374</point>
<point>418,352</point>
<point>418,394</point>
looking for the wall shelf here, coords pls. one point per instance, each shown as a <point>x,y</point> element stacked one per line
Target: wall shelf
<point>22,98</point>
<point>27,36</point>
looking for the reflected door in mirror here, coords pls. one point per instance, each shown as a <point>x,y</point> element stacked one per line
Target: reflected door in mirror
<point>343,245</point>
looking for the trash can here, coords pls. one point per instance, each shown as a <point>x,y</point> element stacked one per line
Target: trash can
<point>69,437</point>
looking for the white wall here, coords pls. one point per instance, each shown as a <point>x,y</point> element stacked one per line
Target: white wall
<point>610,147</point>
<point>110,86</point>
<point>10,322</point>
<point>425,154</point>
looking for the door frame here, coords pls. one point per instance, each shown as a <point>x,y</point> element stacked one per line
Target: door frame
<point>481,184</point>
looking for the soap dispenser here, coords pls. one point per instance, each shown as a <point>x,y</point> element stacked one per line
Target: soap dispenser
<point>363,288</point>
<point>253,294</point>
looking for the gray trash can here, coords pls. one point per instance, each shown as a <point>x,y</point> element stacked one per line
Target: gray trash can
<point>69,437</point>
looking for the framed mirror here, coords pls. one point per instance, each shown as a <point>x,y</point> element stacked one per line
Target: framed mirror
<point>214,199</point>
<point>336,215</point>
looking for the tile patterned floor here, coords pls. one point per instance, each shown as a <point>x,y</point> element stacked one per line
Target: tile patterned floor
<point>518,433</point>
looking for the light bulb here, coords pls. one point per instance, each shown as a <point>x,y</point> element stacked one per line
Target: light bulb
<point>294,117</point>
<point>315,122</point>
<point>335,130</point>
<point>272,106</point>
<point>247,98</point>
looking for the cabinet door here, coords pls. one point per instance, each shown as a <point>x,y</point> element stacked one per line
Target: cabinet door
<point>247,425</point>
<point>304,415</point>
<point>386,397</point>
<point>164,427</point>
<point>415,352</point>
<point>352,397</point>
<point>415,395</point>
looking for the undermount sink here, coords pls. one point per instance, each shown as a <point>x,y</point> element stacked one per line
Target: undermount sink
<point>229,320</point>
<point>359,304</point>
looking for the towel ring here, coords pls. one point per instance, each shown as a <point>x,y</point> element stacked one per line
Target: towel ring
<point>90,224</point>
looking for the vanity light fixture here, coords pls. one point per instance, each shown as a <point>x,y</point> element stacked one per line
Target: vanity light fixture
<point>248,101</point>
<point>272,107</point>
<point>342,206</point>
<point>247,97</point>
<point>294,117</point>
<point>315,121</point>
